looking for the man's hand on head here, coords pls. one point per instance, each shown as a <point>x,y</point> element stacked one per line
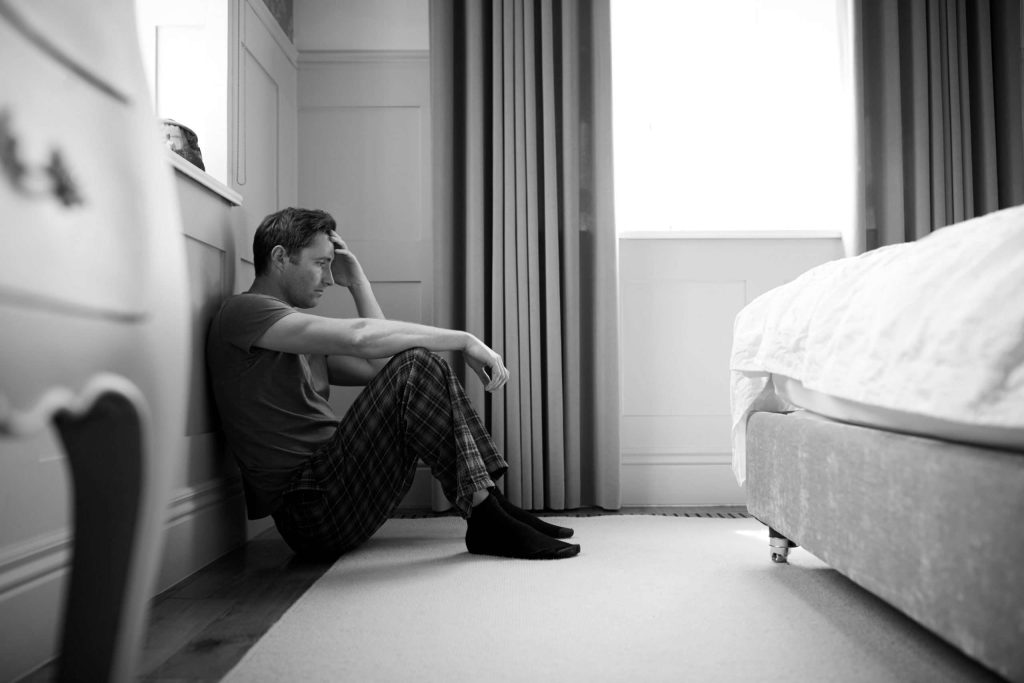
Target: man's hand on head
<point>345,269</point>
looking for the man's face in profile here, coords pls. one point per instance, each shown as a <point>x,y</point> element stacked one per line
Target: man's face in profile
<point>308,273</point>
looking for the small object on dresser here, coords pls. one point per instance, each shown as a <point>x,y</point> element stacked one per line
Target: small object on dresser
<point>183,141</point>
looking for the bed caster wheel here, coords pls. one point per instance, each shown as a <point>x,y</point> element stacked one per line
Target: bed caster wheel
<point>779,546</point>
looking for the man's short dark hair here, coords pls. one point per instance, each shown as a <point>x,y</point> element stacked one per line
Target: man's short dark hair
<point>294,229</point>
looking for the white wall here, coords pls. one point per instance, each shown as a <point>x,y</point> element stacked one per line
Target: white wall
<point>361,25</point>
<point>206,517</point>
<point>679,295</point>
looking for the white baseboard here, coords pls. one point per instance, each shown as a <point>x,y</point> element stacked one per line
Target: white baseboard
<point>647,480</point>
<point>32,580</point>
<point>656,479</point>
<point>203,522</point>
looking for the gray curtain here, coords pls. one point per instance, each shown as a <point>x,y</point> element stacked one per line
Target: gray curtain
<point>940,88</point>
<point>521,112</point>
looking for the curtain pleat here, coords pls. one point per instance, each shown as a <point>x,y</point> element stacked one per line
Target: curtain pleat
<point>511,197</point>
<point>979,62</point>
<point>569,75</point>
<point>601,380</point>
<point>474,130</point>
<point>533,236</point>
<point>505,434</point>
<point>551,290</point>
<point>941,142</point>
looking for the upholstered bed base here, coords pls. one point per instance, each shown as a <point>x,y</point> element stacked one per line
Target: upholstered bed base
<point>935,528</point>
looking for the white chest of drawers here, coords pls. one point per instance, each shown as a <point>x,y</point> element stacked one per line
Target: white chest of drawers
<point>93,311</point>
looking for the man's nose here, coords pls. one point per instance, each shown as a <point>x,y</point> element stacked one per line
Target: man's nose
<point>328,278</point>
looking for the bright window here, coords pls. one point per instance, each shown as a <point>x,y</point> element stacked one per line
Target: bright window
<point>731,115</point>
<point>184,47</point>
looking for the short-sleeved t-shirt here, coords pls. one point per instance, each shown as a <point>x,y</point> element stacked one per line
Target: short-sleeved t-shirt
<point>273,405</point>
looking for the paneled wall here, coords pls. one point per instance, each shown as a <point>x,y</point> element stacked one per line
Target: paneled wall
<point>679,295</point>
<point>35,549</point>
<point>265,129</point>
<point>390,25</point>
<point>206,516</point>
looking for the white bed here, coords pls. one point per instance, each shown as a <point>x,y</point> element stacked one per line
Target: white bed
<point>905,469</point>
<point>793,392</point>
<point>925,337</point>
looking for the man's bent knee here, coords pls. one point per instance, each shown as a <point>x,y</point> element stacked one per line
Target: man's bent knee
<point>417,354</point>
<point>420,362</point>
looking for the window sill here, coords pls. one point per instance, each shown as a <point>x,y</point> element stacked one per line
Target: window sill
<point>731,235</point>
<point>204,179</point>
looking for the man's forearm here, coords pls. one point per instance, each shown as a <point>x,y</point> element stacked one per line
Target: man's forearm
<point>367,307</point>
<point>365,300</point>
<point>380,338</point>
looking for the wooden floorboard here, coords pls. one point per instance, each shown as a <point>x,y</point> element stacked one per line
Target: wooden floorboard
<point>200,628</point>
<point>236,600</point>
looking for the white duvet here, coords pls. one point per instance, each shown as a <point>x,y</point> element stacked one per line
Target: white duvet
<point>933,327</point>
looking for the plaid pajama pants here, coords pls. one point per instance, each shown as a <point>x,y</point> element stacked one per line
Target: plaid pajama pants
<point>415,408</point>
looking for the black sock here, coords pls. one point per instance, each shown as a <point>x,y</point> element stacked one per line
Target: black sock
<point>493,532</point>
<point>529,518</point>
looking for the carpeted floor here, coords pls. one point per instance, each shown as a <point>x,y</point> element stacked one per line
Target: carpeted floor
<point>650,598</point>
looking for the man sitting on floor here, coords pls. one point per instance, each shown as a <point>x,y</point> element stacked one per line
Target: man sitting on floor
<point>330,484</point>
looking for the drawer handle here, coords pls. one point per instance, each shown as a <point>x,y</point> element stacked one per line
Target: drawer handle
<point>50,178</point>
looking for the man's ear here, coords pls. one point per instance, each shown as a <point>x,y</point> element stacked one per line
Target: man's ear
<point>278,255</point>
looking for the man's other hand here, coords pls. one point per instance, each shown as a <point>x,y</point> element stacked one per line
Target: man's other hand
<point>486,363</point>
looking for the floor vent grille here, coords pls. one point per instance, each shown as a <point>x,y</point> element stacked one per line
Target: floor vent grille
<point>730,513</point>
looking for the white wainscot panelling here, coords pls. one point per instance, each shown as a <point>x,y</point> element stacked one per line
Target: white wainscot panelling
<point>205,517</point>
<point>260,141</point>
<point>33,579</point>
<point>679,296</point>
<point>204,521</point>
<point>35,549</point>
<point>266,128</point>
<point>206,269</point>
<point>364,162</point>
<point>675,434</point>
<point>362,25</point>
<point>679,333</point>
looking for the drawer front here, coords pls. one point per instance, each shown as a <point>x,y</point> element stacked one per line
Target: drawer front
<point>85,34</point>
<point>71,221</point>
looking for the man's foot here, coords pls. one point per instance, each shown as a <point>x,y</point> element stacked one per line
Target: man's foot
<point>529,518</point>
<point>493,532</point>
